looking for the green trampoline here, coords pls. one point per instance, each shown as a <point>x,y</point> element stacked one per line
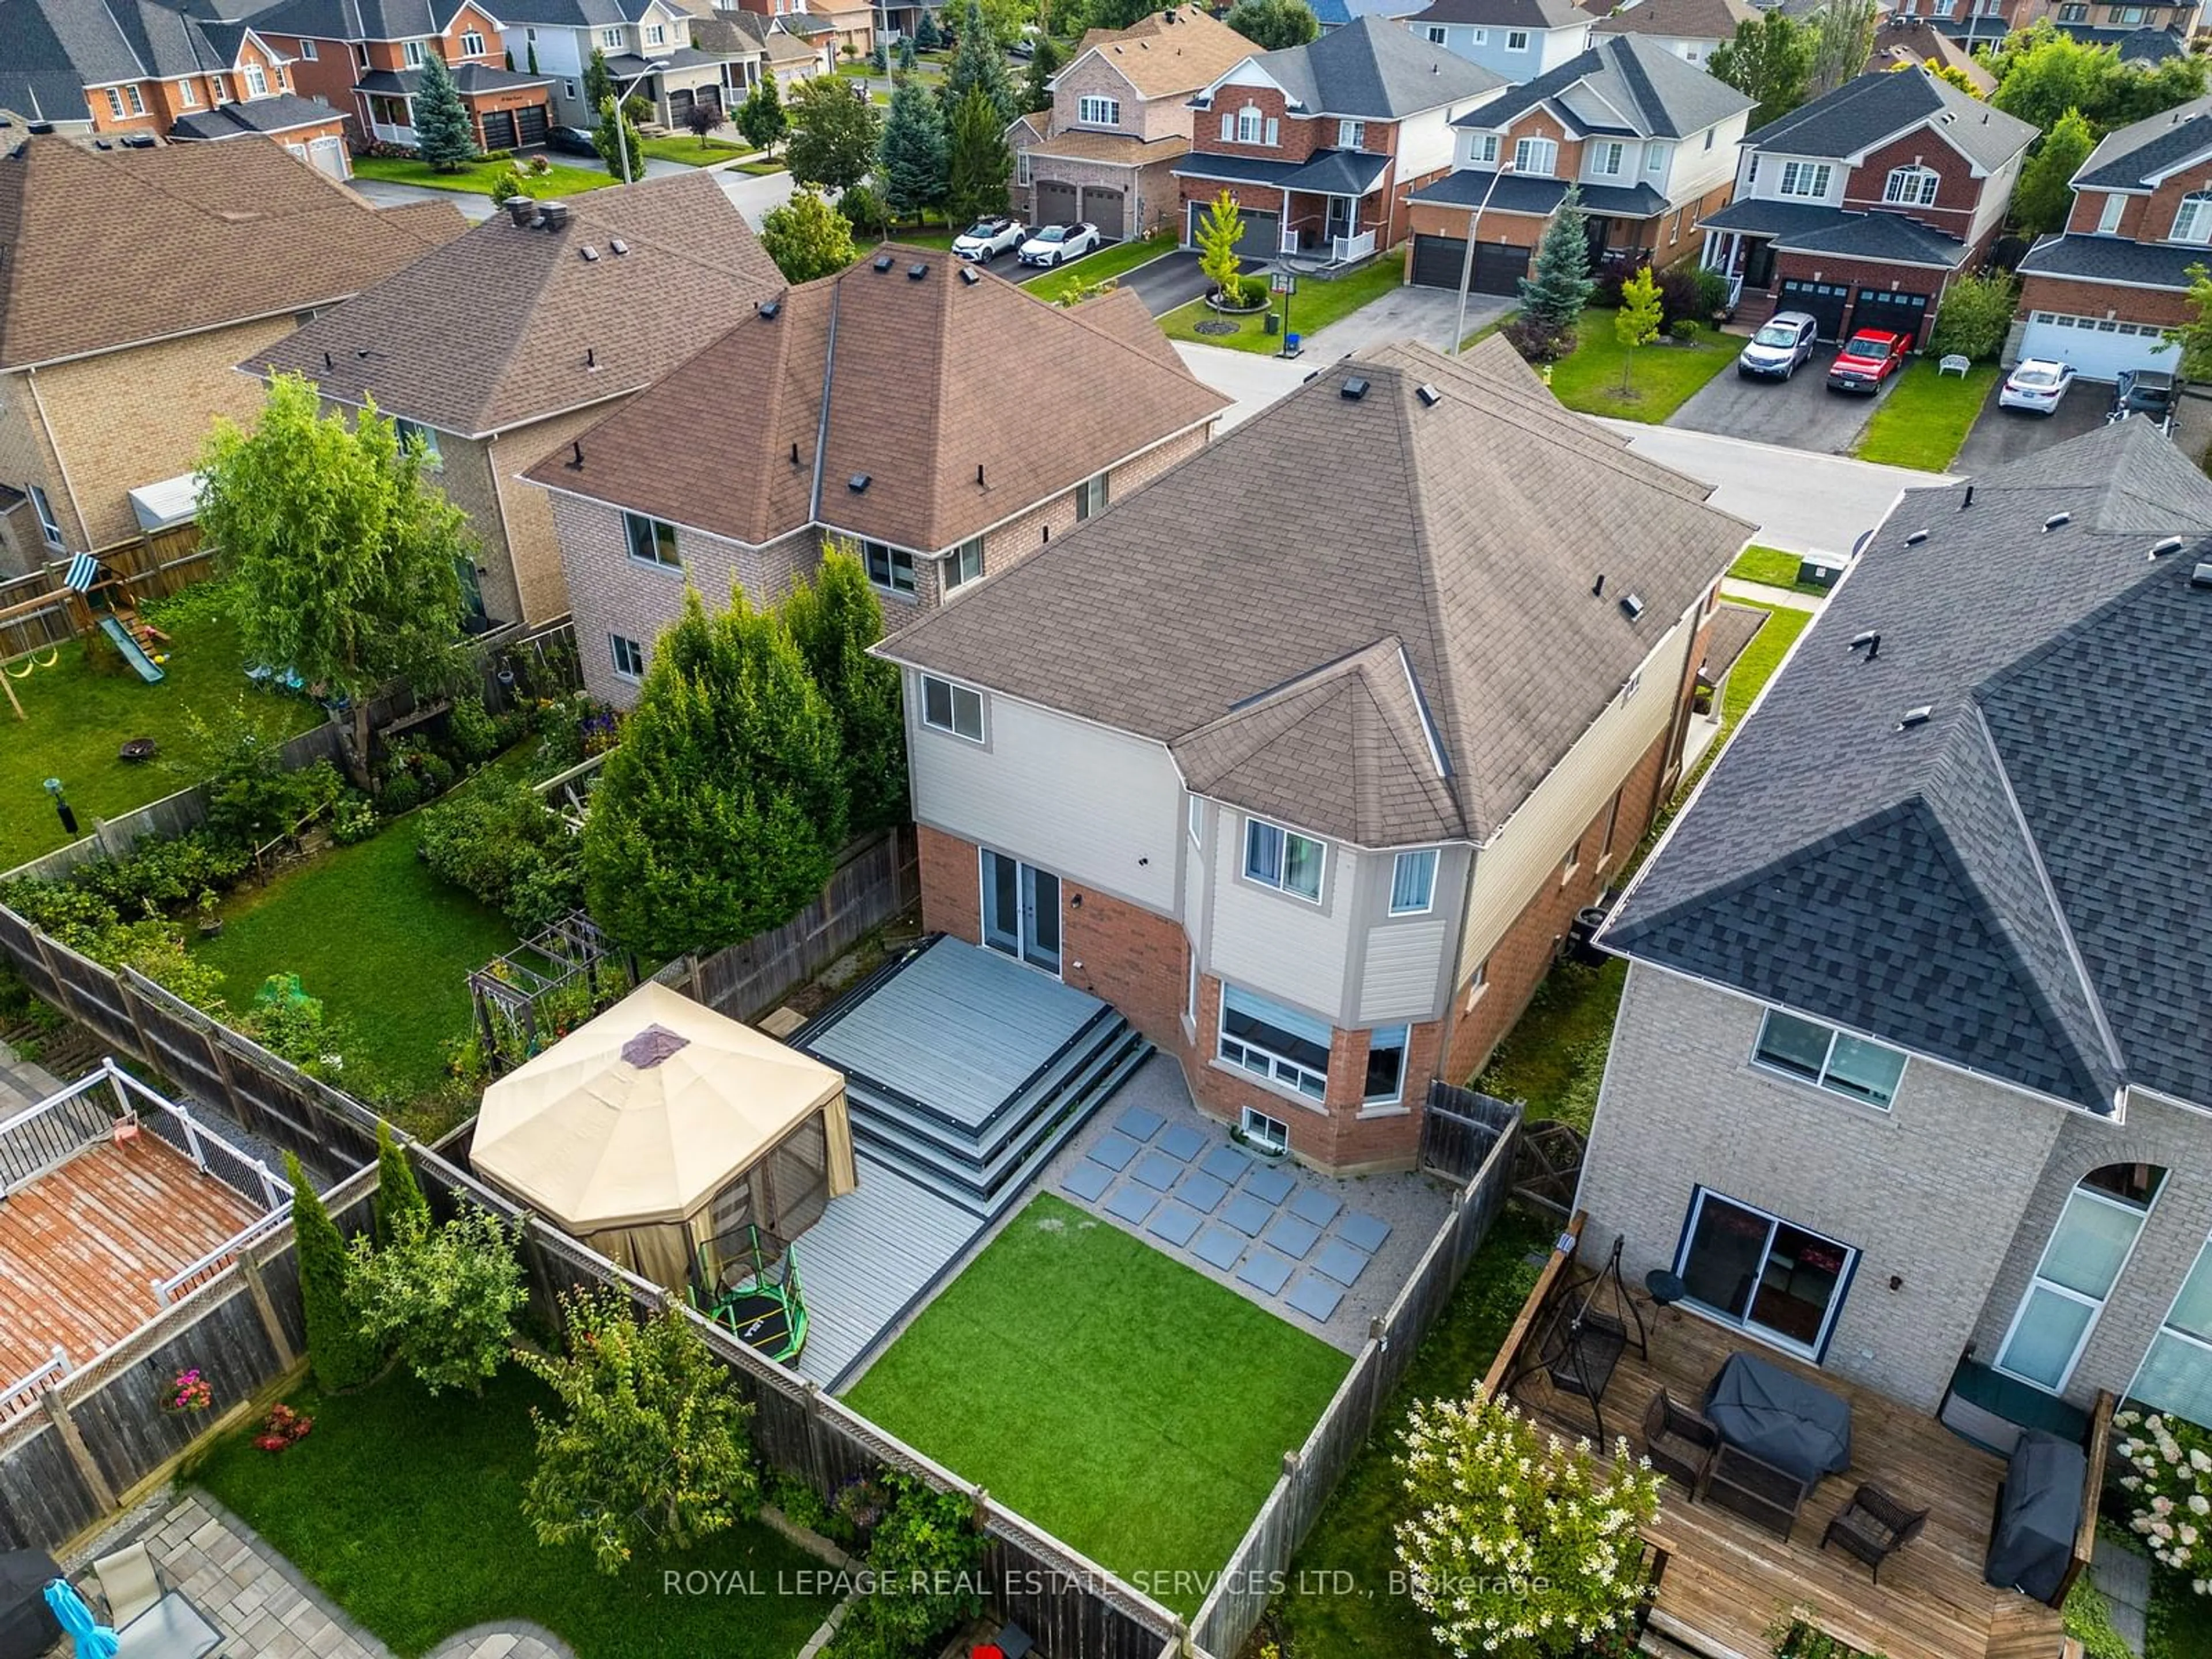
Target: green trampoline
<point>760,1305</point>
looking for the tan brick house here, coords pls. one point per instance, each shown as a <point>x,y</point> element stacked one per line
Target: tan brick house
<point>1120,119</point>
<point>1320,144</point>
<point>116,350</point>
<point>1648,140</point>
<point>649,50</point>
<point>518,334</point>
<point>878,413</point>
<point>1311,798</point>
<point>1690,29</point>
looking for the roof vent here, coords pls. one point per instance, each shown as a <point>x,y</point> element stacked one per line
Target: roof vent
<point>553,215</point>
<point>794,452</point>
<point>970,275</point>
<point>858,483</point>
<point>2202,576</point>
<point>1353,389</point>
<point>1597,588</point>
<point>328,366</point>
<point>591,254</point>
<point>1631,606</point>
<point>767,310</point>
<point>2171,544</point>
<point>653,1045</point>
<point>1919,716</point>
<point>1968,500</point>
<point>576,456</point>
<point>592,358</point>
<point>101,144</point>
<point>522,210</point>
<point>916,271</point>
<point>883,262</point>
<point>616,246</point>
<point>1429,395</point>
<point>1869,641</point>
<point>2058,521</point>
<point>1915,538</point>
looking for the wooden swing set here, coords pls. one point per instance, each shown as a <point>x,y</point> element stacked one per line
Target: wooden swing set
<point>85,577</point>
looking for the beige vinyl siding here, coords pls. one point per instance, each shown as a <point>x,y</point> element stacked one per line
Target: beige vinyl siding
<point>1098,808</point>
<point>1278,943</point>
<point>1400,978</point>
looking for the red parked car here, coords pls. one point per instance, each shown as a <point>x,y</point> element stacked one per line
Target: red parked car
<point>1868,357</point>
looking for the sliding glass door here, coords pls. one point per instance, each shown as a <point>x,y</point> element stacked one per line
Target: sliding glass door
<point>1770,1277</point>
<point>1021,911</point>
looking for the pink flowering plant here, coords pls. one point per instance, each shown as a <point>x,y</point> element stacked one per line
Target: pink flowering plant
<point>188,1391</point>
<point>1520,1543</point>
<point>2171,1486</point>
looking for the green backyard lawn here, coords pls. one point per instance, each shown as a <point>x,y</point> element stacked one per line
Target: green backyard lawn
<point>1313,308</point>
<point>692,151</point>
<point>1102,266</point>
<point>1660,380</point>
<point>1924,420</point>
<point>1771,567</point>
<point>1125,1403</point>
<point>476,177</point>
<point>406,1511</point>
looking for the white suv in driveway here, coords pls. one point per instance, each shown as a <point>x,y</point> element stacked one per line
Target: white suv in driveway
<point>987,239</point>
<point>1055,244</point>
<point>1782,342</point>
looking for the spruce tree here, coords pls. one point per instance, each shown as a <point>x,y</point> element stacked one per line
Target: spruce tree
<point>443,134</point>
<point>978,164</point>
<point>341,1356</point>
<point>978,63</point>
<point>834,620</point>
<point>1556,291</point>
<point>1037,82</point>
<point>927,37</point>
<point>910,156</point>
<point>598,80</point>
<point>400,1207</point>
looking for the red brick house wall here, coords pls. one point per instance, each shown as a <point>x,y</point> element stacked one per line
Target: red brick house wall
<point>1958,193</point>
<point>2166,307</point>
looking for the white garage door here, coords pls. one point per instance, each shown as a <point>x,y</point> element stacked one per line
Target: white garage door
<point>330,156</point>
<point>2098,347</point>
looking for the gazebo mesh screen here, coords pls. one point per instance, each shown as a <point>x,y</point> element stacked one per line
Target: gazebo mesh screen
<point>783,1195</point>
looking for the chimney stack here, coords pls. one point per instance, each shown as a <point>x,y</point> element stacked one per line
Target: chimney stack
<point>553,215</point>
<point>522,210</point>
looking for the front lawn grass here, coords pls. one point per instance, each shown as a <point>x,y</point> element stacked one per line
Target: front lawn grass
<point>1660,380</point>
<point>1340,1602</point>
<point>1924,420</point>
<point>475,178</point>
<point>692,152</point>
<point>1770,567</point>
<point>406,1511</point>
<point>75,719</point>
<point>1313,308</point>
<point>1123,1401</point>
<point>1108,262</point>
<point>1758,661</point>
<point>762,169</point>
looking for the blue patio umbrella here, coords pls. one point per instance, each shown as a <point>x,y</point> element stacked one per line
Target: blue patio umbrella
<point>94,1640</point>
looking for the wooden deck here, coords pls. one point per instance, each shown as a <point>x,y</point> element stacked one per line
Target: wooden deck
<point>1726,1580</point>
<point>80,1246</point>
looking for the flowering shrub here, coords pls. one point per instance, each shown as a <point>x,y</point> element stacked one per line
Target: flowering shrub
<point>281,1428</point>
<point>1520,1543</point>
<point>188,1391</point>
<point>2172,1488</point>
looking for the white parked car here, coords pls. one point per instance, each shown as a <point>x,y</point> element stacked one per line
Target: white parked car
<point>2036,385</point>
<point>1055,244</point>
<point>987,239</point>
<point>1783,341</point>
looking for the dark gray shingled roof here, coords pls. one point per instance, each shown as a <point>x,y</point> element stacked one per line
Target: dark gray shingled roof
<point>2017,885</point>
<point>1863,112</point>
<point>1416,561</point>
<point>1881,236</point>
<point>2113,259</point>
<point>1540,197</point>
<point>471,80</point>
<point>358,19</point>
<point>1658,94</point>
<point>1374,68</point>
<point>1330,172</point>
<point>1506,14</point>
<point>2130,157</point>
<point>51,50</point>
<point>282,112</point>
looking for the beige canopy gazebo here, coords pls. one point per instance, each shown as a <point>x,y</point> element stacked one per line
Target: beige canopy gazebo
<point>661,1126</point>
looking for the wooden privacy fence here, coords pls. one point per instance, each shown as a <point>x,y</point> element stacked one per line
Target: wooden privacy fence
<point>154,565</point>
<point>1257,1570</point>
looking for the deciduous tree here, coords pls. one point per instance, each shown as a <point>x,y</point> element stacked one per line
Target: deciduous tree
<point>616,136</point>
<point>834,620</point>
<point>1843,39</point>
<point>979,167</point>
<point>833,135</point>
<point>1975,316</point>
<point>1635,324</point>
<point>1770,60</point>
<point>2044,195</point>
<point>761,120</point>
<point>701,118</point>
<point>2195,335</point>
<point>442,1298</point>
<point>443,134</point>
<point>910,159</point>
<point>1219,228</point>
<point>2042,72</point>
<point>807,238</point>
<point>1275,25</point>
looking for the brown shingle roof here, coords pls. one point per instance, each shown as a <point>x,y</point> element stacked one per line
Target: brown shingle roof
<point>1175,50</point>
<point>929,381</point>
<point>507,325</point>
<point>1293,610</point>
<point>1120,148</point>
<point>101,250</point>
<point>1684,20</point>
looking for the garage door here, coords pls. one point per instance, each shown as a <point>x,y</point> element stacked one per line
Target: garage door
<point>1822,300</point>
<point>1900,314</point>
<point>1055,203</point>
<point>530,126</point>
<point>1104,209</point>
<point>328,155</point>
<point>499,129</point>
<point>2099,348</point>
<point>1263,236</point>
<point>679,104</point>
<point>1499,268</point>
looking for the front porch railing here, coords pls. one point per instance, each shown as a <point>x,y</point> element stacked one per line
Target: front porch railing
<point>386,132</point>
<point>1343,249</point>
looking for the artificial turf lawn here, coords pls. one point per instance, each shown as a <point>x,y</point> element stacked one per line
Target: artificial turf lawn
<point>1924,420</point>
<point>1661,380</point>
<point>1125,1403</point>
<point>1773,567</point>
<point>76,720</point>
<point>406,1511</point>
<point>475,177</point>
<point>1116,260</point>
<point>1313,308</point>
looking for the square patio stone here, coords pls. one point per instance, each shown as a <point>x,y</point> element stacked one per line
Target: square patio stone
<point>1246,1214</point>
<point>1314,1206</point>
<point>1175,1224</point>
<point>1157,1170</point>
<point>1113,1151</point>
<point>1131,1204</point>
<point>1314,1297</point>
<point>1340,1261</point>
<point>1270,1186</point>
<point>1218,1247</point>
<point>1292,1236</point>
<point>1364,1232</point>
<point>1202,1192</point>
<point>1224,1163</point>
<point>1184,1142</point>
<point>1088,1181</point>
<point>1264,1271</point>
<point>1140,1124</point>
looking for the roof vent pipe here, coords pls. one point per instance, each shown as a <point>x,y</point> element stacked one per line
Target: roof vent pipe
<point>2202,576</point>
<point>1968,500</point>
<point>1870,641</point>
<point>2056,521</point>
<point>1919,716</point>
<point>1597,588</point>
<point>2171,544</point>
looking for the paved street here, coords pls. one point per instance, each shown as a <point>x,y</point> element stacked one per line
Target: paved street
<point>2006,434</point>
<point>1799,413</point>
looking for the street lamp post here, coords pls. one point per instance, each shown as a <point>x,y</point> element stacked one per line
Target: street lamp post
<point>621,93</point>
<point>1467,264</point>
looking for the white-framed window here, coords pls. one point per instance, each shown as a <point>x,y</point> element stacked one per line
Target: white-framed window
<point>948,707</point>
<point>1481,37</point>
<point>2176,1374</point>
<point>415,54</point>
<point>1808,179</point>
<point>629,656</point>
<point>473,43</point>
<point>610,38</point>
<point>1194,814</point>
<point>1516,39</point>
<point>889,567</point>
<point>1573,861</point>
<point>256,83</point>
<point>1855,1067</point>
<point>1248,124</point>
<point>308,49</point>
<point>137,100</point>
<point>1608,159</point>
<point>1436,35</point>
<point>964,563</point>
<point>1612,823</point>
<point>1913,186</point>
<point>1022,169</point>
<point>2193,224</point>
<point>1477,983</point>
<point>2108,216</point>
<point>1386,1065</point>
<point>1284,859</point>
<point>569,90</point>
<point>1288,1049</point>
<point>1633,684</point>
<point>1351,134</point>
<point>188,93</point>
<point>1090,497</point>
<point>49,525</point>
<point>1482,150</point>
<point>1942,8</point>
<point>2088,1248</point>
<point>1414,882</point>
<point>2074,12</point>
<point>222,83</point>
<point>299,150</point>
<point>410,432</point>
<point>1655,157</point>
<point>656,34</point>
<point>1096,112</point>
<point>115,102</point>
<point>1536,156</point>
<point>1261,1130</point>
<point>652,541</point>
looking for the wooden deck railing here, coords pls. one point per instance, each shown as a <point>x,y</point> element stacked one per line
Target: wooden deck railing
<point>1509,1351</point>
<point>2100,1448</point>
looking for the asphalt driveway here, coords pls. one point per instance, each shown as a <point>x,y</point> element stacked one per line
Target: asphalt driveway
<point>2007,435</point>
<point>1799,413</point>
<point>1171,280</point>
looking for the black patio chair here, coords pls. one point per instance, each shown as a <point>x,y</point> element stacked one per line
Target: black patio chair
<point>1873,1526</point>
<point>1680,1442</point>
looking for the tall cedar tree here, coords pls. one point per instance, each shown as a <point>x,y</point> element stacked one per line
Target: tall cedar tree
<point>833,136</point>
<point>978,64</point>
<point>760,118</point>
<point>1558,289</point>
<point>807,238</point>
<point>979,167</point>
<point>615,134</point>
<point>443,134</point>
<point>341,1356</point>
<point>400,1206</point>
<point>1275,25</point>
<point>599,80</point>
<point>1635,324</point>
<point>1770,60</point>
<point>834,621</point>
<point>1037,80</point>
<point>910,160</point>
<point>2044,195</point>
<point>346,559</point>
<point>720,814</point>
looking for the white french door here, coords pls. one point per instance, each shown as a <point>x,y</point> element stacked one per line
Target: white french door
<point>1021,911</point>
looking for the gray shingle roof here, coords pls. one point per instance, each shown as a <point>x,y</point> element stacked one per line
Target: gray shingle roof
<point>282,112</point>
<point>1763,216</point>
<point>2130,157</point>
<point>1863,112</point>
<point>2150,46</point>
<point>2016,885</point>
<point>1657,94</point>
<point>471,79</point>
<point>1539,196</point>
<point>1506,14</point>
<point>1466,534</point>
<point>1675,20</point>
<point>1883,236</point>
<point>2113,259</point>
<point>1374,68</point>
<point>357,19</point>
